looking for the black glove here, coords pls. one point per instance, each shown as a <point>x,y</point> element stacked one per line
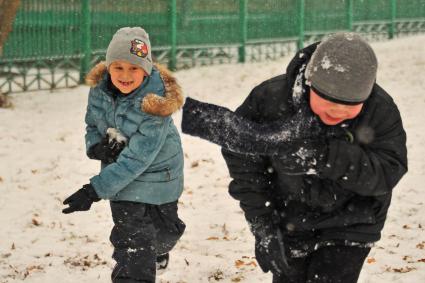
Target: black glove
<point>106,151</point>
<point>81,200</point>
<point>269,246</point>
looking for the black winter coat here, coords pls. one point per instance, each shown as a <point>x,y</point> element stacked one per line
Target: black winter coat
<point>350,199</point>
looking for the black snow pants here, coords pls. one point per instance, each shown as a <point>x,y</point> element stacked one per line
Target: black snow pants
<point>140,234</point>
<point>333,264</point>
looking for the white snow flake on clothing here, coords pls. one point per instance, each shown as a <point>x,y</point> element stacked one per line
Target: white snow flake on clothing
<point>326,64</point>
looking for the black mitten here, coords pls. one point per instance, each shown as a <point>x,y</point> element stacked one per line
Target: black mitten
<point>109,148</point>
<point>269,246</point>
<point>101,151</point>
<point>81,200</point>
<point>115,148</point>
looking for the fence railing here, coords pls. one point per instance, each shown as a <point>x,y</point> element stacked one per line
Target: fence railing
<point>54,43</point>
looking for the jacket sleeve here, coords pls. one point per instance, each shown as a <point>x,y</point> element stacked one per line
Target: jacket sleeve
<point>241,135</point>
<point>251,179</point>
<point>370,169</point>
<point>141,151</point>
<point>92,136</point>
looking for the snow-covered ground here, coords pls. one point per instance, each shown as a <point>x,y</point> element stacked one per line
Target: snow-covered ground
<point>43,161</point>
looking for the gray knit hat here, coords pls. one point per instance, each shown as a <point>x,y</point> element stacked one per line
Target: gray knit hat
<point>132,45</point>
<point>343,68</point>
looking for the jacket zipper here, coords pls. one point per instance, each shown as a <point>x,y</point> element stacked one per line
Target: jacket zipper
<point>114,106</point>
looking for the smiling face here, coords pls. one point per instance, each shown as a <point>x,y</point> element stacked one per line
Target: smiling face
<point>332,113</point>
<point>126,76</point>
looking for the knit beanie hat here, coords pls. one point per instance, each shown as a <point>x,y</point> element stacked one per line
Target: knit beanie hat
<point>132,45</point>
<point>343,69</point>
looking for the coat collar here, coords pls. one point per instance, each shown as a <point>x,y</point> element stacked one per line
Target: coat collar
<point>152,103</point>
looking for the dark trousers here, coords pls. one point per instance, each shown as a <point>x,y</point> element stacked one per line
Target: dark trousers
<point>333,264</point>
<point>140,234</point>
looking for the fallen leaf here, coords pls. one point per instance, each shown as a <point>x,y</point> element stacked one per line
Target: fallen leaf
<point>1,179</point>
<point>420,245</point>
<point>421,260</point>
<point>371,260</point>
<point>404,269</point>
<point>36,222</point>
<point>217,275</point>
<point>251,263</point>
<point>32,268</point>
<point>212,238</point>
<point>85,262</point>
<point>406,226</point>
<point>13,246</point>
<point>34,171</point>
<point>194,164</point>
<point>239,263</point>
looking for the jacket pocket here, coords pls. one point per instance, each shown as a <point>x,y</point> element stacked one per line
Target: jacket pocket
<point>165,175</point>
<point>165,171</point>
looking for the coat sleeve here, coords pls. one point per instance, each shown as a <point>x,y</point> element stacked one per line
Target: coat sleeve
<point>141,151</point>
<point>241,135</point>
<point>374,168</point>
<point>251,179</point>
<point>92,136</point>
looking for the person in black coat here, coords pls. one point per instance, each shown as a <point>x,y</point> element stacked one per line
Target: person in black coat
<point>314,155</point>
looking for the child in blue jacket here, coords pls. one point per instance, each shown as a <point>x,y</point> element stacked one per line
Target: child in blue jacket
<point>130,130</point>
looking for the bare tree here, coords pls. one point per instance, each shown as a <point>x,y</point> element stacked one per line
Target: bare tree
<point>8,10</point>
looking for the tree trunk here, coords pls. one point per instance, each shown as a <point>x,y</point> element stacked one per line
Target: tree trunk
<point>8,10</point>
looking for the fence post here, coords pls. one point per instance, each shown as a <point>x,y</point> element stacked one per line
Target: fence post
<point>86,39</point>
<point>391,30</point>
<point>350,15</point>
<point>172,63</point>
<point>301,11</point>
<point>243,24</point>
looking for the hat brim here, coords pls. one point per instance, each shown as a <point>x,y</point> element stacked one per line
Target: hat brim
<point>335,100</point>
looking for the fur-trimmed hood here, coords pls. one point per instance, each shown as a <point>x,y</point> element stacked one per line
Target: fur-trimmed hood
<point>152,103</point>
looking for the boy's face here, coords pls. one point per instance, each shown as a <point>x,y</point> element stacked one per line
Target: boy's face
<point>126,76</point>
<point>332,113</point>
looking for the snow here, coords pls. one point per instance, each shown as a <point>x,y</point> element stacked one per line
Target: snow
<point>326,64</point>
<point>43,161</point>
<point>116,135</point>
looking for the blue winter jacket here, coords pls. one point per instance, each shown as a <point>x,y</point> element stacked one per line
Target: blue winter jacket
<point>150,168</point>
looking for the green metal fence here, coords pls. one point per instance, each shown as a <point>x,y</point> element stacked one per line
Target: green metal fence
<point>55,42</point>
